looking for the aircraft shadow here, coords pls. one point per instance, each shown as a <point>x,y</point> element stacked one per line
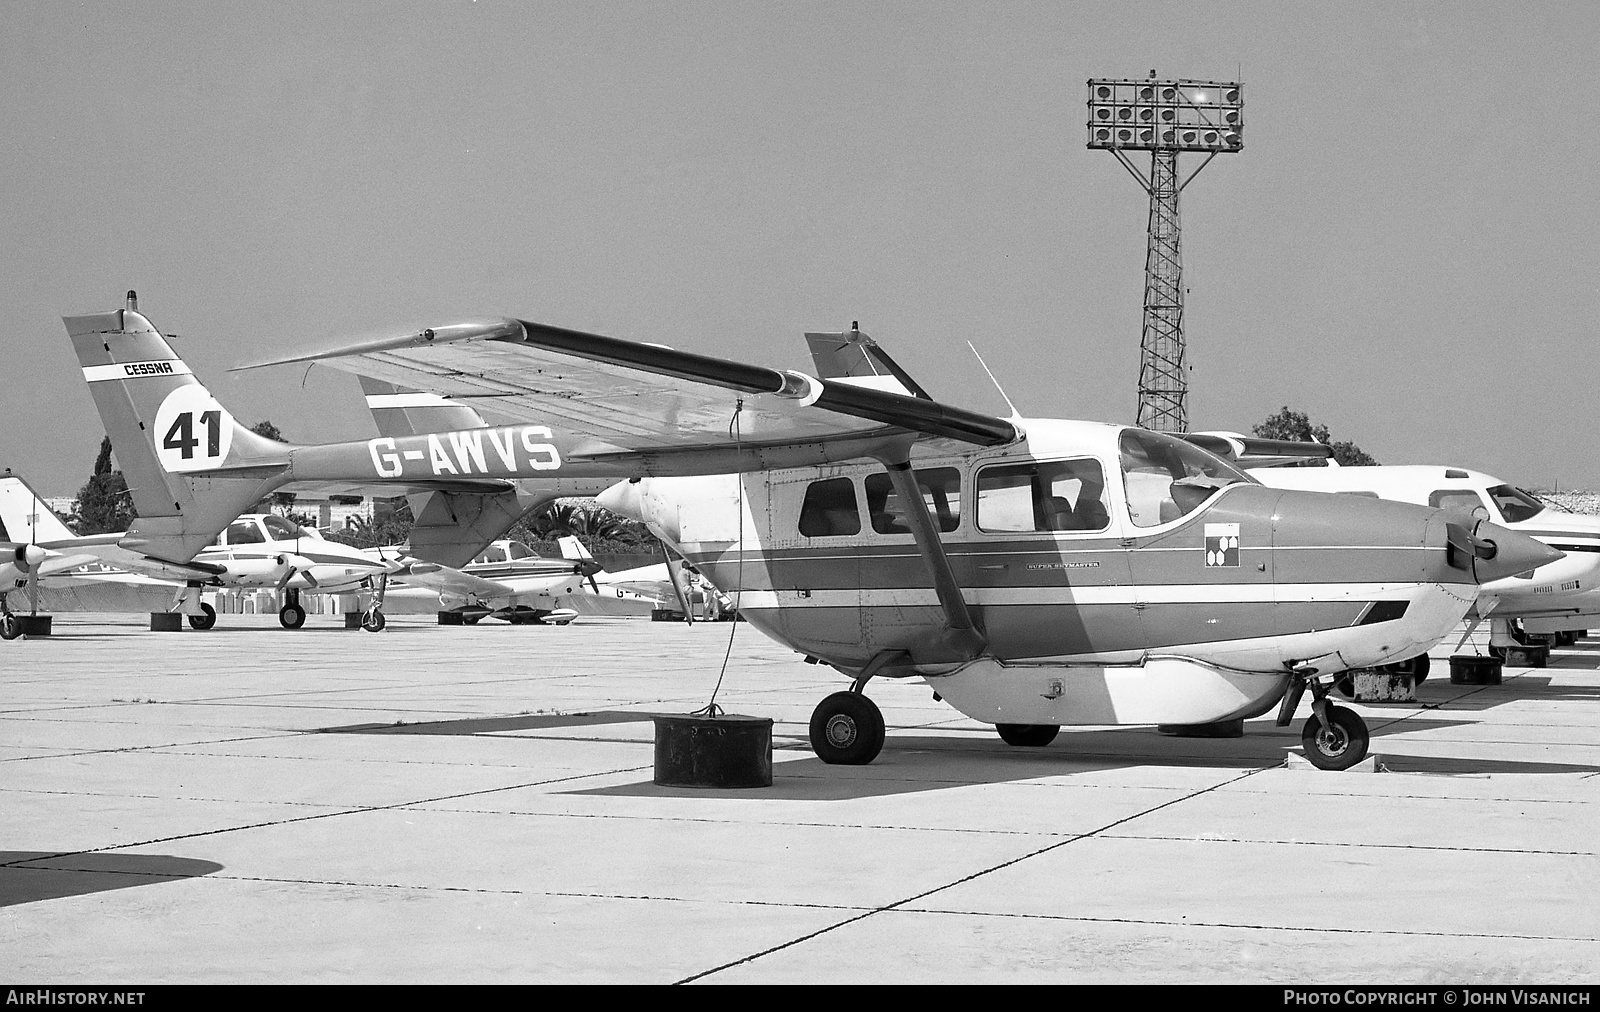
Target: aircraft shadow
<point>912,763</point>
<point>1513,689</point>
<point>31,876</point>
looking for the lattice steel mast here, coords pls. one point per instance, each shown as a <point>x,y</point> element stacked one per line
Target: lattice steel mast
<point>1164,118</point>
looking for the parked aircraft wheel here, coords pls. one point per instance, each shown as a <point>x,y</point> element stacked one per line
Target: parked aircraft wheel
<point>847,729</point>
<point>10,628</point>
<point>373,621</point>
<point>471,619</point>
<point>292,616</point>
<point>1495,651</point>
<point>1028,735</point>
<point>1340,747</point>
<point>205,620</point>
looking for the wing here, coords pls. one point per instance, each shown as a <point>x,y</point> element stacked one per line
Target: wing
<point>452,581</point>
<point>631,400</point>
<point>1253,451</point>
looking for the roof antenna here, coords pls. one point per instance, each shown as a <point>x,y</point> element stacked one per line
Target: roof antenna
<point>1015,414</point>
<point>133,300</point>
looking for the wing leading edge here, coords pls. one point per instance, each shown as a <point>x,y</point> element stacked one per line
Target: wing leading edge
<point>630,398</point>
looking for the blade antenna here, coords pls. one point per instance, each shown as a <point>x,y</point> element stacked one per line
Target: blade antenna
<point>1015,414</point>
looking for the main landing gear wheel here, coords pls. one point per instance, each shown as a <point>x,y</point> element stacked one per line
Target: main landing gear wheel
<point>292,616</point>
<point>1028,735</point>
<point>1338,747</point>
<point>205,620</point>
<point>847,729</point>
<point>373,621</point>
<point>10,628</point>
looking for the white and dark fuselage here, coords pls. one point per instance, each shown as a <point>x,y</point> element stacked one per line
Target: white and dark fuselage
<point>1563,594</point>
<point>1088,561</point>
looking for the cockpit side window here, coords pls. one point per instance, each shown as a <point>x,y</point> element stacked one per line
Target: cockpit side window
<point>1515,504</point>
<point>941,495</point>
<point>830,509</point>
<point>1061,495</point>
<point>279,529</point>
<point>521,551</point>
<point>1167,479</point>
<point>494,554</point>
<point>244,532</point>
<point>1458,499</point>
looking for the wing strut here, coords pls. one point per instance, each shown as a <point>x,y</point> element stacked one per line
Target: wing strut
<point>961,635</point>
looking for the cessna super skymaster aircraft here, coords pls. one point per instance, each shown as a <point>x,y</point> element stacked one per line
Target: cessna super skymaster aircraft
<point>1034,572</point>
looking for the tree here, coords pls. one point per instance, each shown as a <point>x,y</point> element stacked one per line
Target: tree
<point>103,502</point>
<point>1296,425</point>
<point>277,502</point>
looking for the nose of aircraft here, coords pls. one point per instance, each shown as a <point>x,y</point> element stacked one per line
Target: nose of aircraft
<point>623,499</point>
<point>1498,552</point>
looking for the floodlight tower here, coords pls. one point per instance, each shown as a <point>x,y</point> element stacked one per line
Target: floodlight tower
<point>1164,118</point>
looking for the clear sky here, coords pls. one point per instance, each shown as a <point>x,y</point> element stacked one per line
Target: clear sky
<point>1406,249</point>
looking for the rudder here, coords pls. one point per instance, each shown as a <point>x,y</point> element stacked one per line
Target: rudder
<point>191,467</point>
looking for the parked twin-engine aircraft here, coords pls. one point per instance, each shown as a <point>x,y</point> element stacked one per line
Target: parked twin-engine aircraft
<point>255,550</point>
<point>1034,572</point>
<point>1558,596</point>
<point>508,581</point>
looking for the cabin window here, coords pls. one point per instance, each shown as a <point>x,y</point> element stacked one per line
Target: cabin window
<point>1167,479</point>
<point>244,532</point>
<point>830,510</point>
<point>495,554</point>
<point>279,529</point>
<point>1515,504</point>
<point>1062,495</point>
<point>941,495</point>
<point>521,551</point>
<point>1458,499</point>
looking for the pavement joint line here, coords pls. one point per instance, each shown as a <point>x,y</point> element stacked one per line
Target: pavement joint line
<point>971,877</point>
<point>898,908</point>
<point>360,810</point>
<point>1162,922</point>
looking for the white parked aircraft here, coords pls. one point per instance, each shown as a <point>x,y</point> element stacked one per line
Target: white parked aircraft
<point>508,581</point>
<point>256,550</point>
<point>1560,595</point>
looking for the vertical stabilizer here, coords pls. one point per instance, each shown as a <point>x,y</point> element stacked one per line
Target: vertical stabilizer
<point>853,357</point>
<point>25,517</point>
<point>191,467</point>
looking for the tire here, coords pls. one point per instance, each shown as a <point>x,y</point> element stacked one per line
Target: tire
<point>292,616</point>
<point>1028,735</point>
<point>373,621</point>
<point>10,628</point>
<point>471,619</point>
<point>1339,749</point>
<point>205,620</point>
<point>847,729</point>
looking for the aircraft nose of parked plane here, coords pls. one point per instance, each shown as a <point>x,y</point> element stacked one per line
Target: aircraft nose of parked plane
<point>1499,552</point>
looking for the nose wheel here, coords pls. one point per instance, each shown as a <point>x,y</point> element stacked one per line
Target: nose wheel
<point>847,729</point>
<point>1339,743</point>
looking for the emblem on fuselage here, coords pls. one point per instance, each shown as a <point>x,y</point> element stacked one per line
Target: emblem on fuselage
<point>1222,545</point>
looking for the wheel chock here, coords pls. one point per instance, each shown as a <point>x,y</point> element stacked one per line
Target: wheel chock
<point>33,626</point>
<point>1472,669</point>
<point>1295,761</point>
<point>166,621</point>
<point>1528,656</point>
